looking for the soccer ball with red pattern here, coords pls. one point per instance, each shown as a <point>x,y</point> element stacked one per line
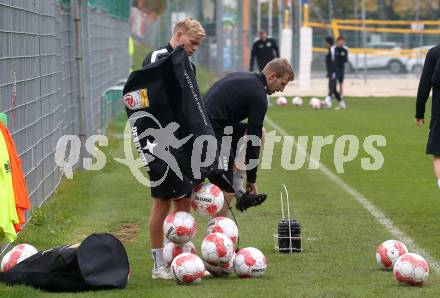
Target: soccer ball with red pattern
<point>172,250</point>
<point>281,101</point>
<point>221,270</point>
<point>297,101</point>
<point>179,227</point>
<point>187,268</point>
<point>207,199</point>
<point>315,103</point>
<point>217,249</point>
<point>388,252</point>
<point>249,262</point>
<point>411,269</point>
<point>17,255</point>
<point>223,225</point>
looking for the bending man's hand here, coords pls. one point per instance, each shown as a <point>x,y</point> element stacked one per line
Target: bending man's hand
<point>251,188</point>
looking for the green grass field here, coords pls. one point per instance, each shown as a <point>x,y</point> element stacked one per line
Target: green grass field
<point>339,235</point>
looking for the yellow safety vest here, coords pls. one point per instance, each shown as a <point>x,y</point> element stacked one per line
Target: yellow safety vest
<point>8,213</point>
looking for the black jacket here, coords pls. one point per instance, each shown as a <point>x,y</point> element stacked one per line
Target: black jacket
<point>330,63</point>
<point>430,79</point>
<point>341,57</point>
<point>234,98</point>
<point>264,51</point>
<point>167,89</point>
<point>159,54</point>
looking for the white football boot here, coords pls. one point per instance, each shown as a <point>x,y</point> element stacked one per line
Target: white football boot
<point>162,272</point>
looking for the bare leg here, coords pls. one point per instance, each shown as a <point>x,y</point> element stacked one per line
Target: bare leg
<point>159,212</point>
<point>341,89</point>
<point>183,204</point>
<point>436,161</point>
<point>228,200</point>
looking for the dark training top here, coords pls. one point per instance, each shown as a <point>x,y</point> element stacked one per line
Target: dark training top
<point>341,57</point>
<point>264,51</point>
<point>430,79</point>
<point>234,98</point>
<point>330,63</point>
<point>159,54</point>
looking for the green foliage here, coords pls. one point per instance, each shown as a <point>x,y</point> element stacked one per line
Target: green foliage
<point>377,9</point>
<point>119,9</point>
<point>64,3</point>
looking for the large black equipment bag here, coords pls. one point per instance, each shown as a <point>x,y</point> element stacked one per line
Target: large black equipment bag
<point>98,262</point>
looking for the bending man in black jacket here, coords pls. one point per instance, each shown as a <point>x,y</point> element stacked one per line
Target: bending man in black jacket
<point>430,79</point>
<point>243,96</point>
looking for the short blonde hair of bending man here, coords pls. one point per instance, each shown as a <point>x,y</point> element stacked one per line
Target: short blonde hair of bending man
<point>280,66</point>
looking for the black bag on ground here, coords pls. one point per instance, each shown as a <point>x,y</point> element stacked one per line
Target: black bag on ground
<point>99,262</point>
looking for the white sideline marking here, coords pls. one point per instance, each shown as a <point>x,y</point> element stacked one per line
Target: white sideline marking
<point>374,211</point>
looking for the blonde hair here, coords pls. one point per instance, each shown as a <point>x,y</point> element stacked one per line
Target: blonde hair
<point>280,66</point>
<point>191,27</point>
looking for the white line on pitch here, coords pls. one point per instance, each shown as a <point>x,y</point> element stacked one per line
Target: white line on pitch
<point>374,211</point>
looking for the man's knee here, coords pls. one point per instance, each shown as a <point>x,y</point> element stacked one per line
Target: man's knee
<point>182,204</point>
<point>160,206</point>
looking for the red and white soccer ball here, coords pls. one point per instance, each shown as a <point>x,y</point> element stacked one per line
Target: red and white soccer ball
<point>207,199</point>
<point>388,252</point>
<point>411,269</point>
<point>17,255</point>
<point>179,227</point>
<point>281,101</point>
<point>221,270</point>
<point>172,250</point>
<point>249,262</point>
<point>315,103</point>
<point>223,225</point>
<point>297,101</point>
<point>188,268</point>
<point>324,104</point>
<point>217,249</point>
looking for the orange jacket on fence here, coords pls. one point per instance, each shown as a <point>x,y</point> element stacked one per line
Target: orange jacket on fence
<point>21,196</point>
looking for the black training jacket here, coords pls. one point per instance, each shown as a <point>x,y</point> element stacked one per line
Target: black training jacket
<point>159,54</point>
<point>330,62</point>
<point>234,98</point>
<point>264,51</point>
<point>341,57</point>
<point>167,89</point>
<point>430,79</point>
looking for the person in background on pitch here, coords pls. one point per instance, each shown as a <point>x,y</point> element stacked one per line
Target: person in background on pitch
<point>189,33</point>
<point>264,49</point>
<point>237,97</point>
<point>430,79</point>
<point>341,58</point>
<point>330,63</point>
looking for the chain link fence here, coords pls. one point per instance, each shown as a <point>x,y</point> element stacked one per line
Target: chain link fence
<point>38,77</point>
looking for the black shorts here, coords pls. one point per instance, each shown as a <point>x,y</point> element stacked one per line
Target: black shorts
<point>225,180</point>
<point>340,75</point>
<point>433,146</point>
<point>171,186</point>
